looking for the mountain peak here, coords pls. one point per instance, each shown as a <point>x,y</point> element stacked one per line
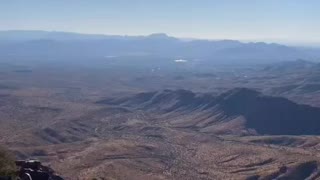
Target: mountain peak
<point>159,36</point>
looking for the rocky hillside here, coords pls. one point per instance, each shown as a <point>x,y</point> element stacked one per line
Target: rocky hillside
<point>7,165</point>
<point>263,114</point>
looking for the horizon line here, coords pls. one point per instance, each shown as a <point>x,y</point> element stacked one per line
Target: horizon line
<point>267,40</point>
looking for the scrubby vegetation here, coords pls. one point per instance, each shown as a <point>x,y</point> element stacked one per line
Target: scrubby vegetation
<point>7,165</point>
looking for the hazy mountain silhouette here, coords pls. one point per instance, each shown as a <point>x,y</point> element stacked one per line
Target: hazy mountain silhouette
<point>65,45</point>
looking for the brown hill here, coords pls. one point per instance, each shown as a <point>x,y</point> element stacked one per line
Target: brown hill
<point>264,114</point>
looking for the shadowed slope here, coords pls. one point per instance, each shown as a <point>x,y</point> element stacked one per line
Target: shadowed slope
<point>265,114</point>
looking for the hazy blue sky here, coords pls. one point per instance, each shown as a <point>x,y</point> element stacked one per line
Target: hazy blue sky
<point>293,21</point>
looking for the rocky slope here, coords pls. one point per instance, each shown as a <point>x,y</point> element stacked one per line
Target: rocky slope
<point>263,114</point>
<point>177,134</point>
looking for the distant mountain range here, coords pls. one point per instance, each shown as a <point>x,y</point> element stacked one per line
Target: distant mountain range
<point>65,45</point>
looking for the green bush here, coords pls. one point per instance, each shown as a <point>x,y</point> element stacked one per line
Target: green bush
<point>7,164</point>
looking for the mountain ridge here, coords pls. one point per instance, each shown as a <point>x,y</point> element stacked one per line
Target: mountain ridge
<point>27,43</point>
<point>264,114</point>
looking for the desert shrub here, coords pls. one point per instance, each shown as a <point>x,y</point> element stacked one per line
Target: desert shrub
<point>7,164</point>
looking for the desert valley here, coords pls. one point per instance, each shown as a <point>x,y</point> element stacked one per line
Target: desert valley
<point>149,117</point>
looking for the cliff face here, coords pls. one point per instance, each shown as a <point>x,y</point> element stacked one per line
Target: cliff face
<point>264,114</point>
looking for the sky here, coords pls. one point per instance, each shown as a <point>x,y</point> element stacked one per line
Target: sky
<point>285,21</point>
